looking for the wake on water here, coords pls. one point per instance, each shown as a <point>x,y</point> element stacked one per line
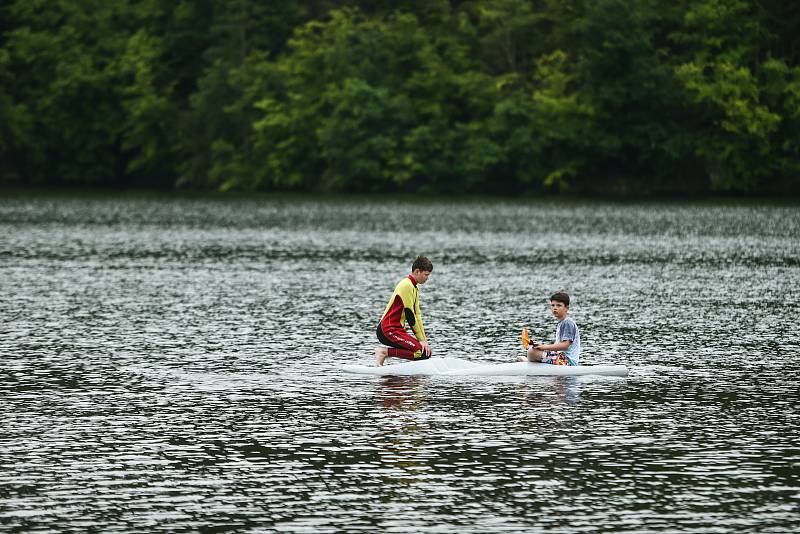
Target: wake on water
<point>459,367</point>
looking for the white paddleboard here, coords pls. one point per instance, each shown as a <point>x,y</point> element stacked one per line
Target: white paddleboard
<point>459,367</point>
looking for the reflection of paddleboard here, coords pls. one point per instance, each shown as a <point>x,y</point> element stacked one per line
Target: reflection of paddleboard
<point>456,366</point>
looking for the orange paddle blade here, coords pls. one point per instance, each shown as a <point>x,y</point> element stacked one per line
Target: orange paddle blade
<point>525,339</point>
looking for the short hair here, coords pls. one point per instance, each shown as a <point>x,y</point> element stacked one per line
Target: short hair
<point>422,263</point>
<point>560,296</point>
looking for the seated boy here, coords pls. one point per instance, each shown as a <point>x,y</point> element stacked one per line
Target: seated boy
<point>566,349</point>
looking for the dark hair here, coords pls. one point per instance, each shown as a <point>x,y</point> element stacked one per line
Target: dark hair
<point>560,297</point>
<point>422,263</point>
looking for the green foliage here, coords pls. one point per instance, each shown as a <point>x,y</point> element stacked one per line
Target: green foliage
<point>502,96</point>
<point>506,35</point>
<point>742,101</point>
<point>741,126</point>
<point>15,123</point>
<point>64,78</point>
<point>213,145</point>
<point>149,110</point>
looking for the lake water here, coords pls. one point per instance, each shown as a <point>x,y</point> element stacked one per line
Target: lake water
<point>171,364</point>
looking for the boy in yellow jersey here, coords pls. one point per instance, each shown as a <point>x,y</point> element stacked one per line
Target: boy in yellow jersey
<point>403,308</point>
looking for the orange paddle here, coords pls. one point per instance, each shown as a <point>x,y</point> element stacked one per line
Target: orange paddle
<point>525,339</point>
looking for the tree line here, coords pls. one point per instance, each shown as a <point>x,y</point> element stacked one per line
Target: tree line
<point>475,96</point>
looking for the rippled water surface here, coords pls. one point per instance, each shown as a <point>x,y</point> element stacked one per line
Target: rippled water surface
<point>172,364</point>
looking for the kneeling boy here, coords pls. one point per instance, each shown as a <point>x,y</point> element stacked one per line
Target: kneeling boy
<point>404,308</point>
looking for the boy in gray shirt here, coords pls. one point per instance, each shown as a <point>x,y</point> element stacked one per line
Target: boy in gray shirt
<point>566,349</point>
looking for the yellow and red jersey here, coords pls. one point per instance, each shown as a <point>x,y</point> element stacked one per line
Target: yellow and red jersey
<point>404,307</point>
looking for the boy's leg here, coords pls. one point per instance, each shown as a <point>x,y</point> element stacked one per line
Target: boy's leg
<point>535,355</point>
<point>381,353</point>
<point>400,343</point>
<point>547,356</point>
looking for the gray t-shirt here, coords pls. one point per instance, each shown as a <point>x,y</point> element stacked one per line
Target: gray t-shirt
<point>567,330</point>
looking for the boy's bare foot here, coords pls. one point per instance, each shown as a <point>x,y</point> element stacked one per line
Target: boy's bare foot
<point>522,359</point>
<point>381,353</point>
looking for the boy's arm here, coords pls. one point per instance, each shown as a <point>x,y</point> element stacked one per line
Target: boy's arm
<point>561,346</point>
<point>419,331</point>
<point>421,337</point>
<point>410,310</point>
<point>419,328</point>
<point>567,335</point>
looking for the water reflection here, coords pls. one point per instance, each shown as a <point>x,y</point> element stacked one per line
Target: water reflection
<point>401,392</point>
<point>550,393</point>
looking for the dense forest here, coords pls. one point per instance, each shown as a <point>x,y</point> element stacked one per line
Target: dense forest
<point>623,97</point>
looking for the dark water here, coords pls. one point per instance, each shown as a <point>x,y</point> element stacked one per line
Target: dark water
<point>171,365</point>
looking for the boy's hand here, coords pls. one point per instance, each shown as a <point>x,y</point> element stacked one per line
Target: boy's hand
<point>426,349</point>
